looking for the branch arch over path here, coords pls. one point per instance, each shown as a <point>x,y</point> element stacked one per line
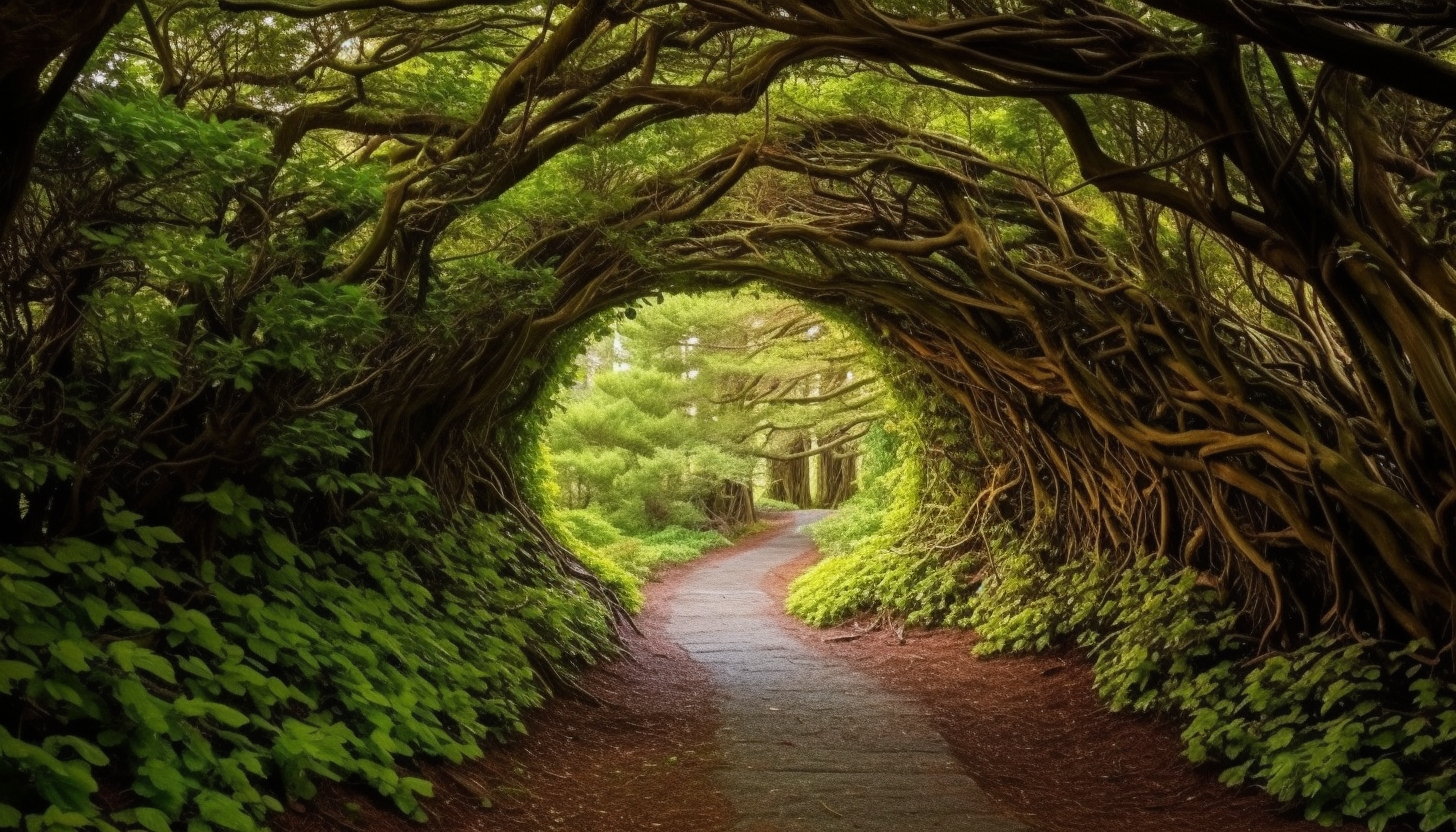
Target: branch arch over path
<point>1261,382</point>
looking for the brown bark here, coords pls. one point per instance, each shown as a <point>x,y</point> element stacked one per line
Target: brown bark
<point>732,507</point>
<point>34,34</point>
<point>789,478</point>
<point>838,478</point>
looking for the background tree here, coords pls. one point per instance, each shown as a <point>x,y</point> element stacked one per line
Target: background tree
<point>675,408</point>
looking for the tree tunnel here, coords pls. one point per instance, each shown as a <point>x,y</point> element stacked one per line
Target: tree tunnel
<point>1108,414</point>
<point>286,285</point>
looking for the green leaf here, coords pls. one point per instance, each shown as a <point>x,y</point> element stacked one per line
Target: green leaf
<point>32,593</point>
<point>12,672</point>
<point>141,705</point>
<point>71,654</point>
<point>281,546</point>
<point>220,502</point>
<point>83,749</point>
<point>35,634</point>
<point>196,667</point>
<point>135,620</point>
<point>218,808</point>
<point>154,664</point>
<point>141,578</point>
<point>122,521</point>
<point>9,817</point>
<point>231,717</point>
<point>96,609</point>
<point>162,534</point>
<point>153,819</point>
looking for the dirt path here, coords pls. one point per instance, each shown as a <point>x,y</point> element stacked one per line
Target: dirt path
<point>808,742</point>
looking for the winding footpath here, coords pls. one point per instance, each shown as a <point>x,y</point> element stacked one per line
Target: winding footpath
<point>810,744</point>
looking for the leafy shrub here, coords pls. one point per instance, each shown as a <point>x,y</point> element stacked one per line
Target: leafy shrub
<point>1349,729</point>
<point>694,539</point>
<point>642,556</point>
<point>881,554</point>
<point>589,527</point>
<point>1345,728</point>
<point>216,685</point>
<point>624,562</point>
<point>627,450</point>
<point>770,504</point>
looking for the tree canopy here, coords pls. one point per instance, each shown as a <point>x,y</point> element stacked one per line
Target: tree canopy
<point>287,282</point>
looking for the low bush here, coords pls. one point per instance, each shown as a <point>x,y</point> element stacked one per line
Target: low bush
<point>212,688</point>
<point>1348,729</point>
<point>877,557</point>
<point>625,561</point>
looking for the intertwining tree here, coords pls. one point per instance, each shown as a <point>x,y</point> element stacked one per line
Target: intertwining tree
<point>273,267</point>
<point>270,364</point>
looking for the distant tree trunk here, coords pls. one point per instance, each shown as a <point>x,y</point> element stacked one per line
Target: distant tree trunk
<point>732,507</point>
<point>838,478</point>
<point>789,478</point>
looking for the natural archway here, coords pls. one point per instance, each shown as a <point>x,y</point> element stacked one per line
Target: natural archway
<point>285,284</point>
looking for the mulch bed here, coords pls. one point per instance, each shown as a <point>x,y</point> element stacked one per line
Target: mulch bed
<point>1028,728</point>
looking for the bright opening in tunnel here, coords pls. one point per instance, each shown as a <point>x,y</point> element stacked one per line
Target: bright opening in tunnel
<point>683,421</point>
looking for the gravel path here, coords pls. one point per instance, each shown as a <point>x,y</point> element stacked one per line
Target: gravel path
<point>811,744</point>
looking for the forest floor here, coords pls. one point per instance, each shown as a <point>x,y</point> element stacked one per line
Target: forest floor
<point>662,745</point>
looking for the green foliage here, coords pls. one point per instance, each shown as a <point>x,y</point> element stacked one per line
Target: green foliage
<point>654,427</point>
<point>228,682</point>
<point>634,558</point>
<point>243,623</point>
<point>144,134</point>
<point>879,573</point>
<point>284,615</point>
<point>215,660</point>
<point>628,447</point>
<point>642,556</point>
<point>1346,729</point>
<point>880,546</point>
<point>693,394</point>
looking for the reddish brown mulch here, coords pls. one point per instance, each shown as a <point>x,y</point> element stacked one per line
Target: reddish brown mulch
<point>642,760</point>
<point>1028,728</point>
<point>1031,732</point>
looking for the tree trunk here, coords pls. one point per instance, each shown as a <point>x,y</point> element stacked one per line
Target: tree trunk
<point>34,34</point>
<point>838,477</point>
<point>732,507</point>
<point>789,478</point>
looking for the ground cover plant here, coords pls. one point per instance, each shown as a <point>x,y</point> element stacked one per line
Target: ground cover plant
<point>1174,281</point>
<point>1342,728</point>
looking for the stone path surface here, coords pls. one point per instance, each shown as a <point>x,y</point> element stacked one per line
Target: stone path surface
<point>811,744</point>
